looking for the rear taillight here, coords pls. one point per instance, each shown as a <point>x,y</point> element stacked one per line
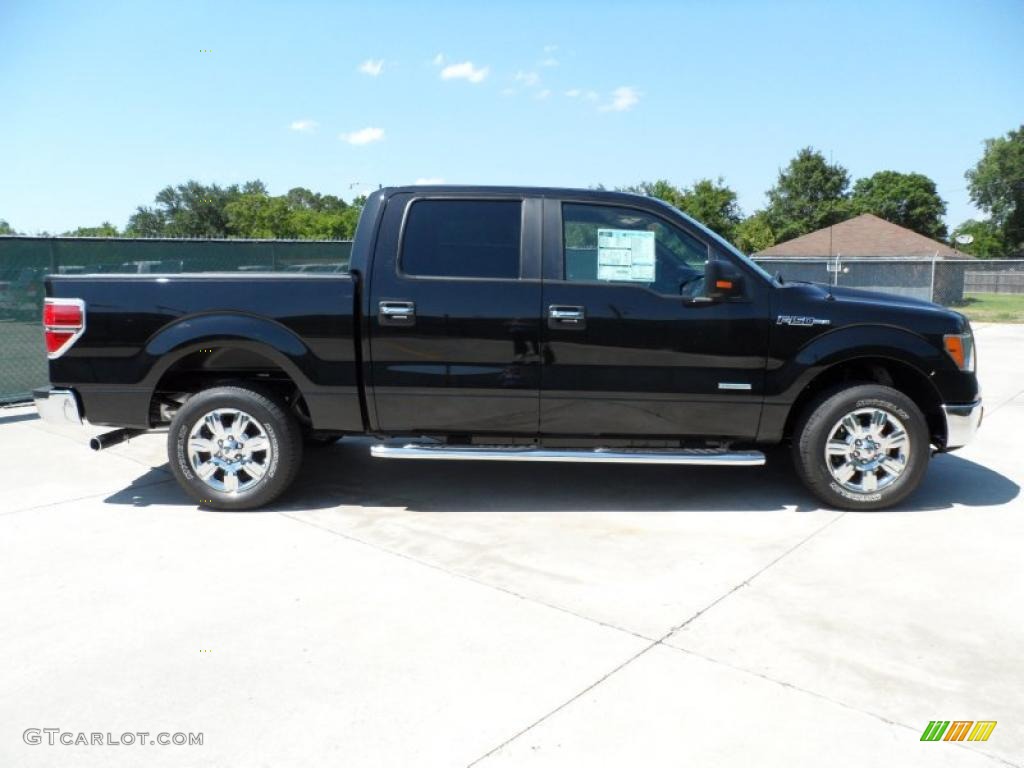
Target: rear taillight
<point>63,324</point>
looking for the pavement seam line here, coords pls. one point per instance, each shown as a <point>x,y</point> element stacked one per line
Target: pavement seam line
<point>823,697</point>
<point>465,577</point>
<point>40,427</point>
<point>656,643</point>
<point>749,579</point>
<point>83,498</point>
<point>1007,401</point>
<point>566,703</point>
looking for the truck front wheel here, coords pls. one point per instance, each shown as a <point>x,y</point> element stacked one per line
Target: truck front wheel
<point>234,447</point>
<point>862,447</point>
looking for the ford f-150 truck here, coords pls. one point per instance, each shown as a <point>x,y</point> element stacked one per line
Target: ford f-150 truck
<point>515,324</point>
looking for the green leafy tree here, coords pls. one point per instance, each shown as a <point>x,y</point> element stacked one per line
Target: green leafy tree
<point>996,185</point>
<point>988,242</point>
<point>5,228</point>
<point>190,210</point>
<point>754,233</point>
<point>299,214</point>
<point>712,203</point>
<point>908,199</point>
<point>811,193</point>
<point>106,229</point>
<point>260,216</point>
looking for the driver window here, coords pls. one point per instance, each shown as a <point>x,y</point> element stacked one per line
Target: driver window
<point>610,244</point>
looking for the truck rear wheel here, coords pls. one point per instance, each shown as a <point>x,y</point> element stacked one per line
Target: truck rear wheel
<point>862,447</point>
<point>234,447</point>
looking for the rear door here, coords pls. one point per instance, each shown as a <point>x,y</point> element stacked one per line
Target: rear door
<point>454,316</point>
<point>632,346</point>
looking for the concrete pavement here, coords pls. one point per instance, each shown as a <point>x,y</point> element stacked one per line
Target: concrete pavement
<point>448,614</point>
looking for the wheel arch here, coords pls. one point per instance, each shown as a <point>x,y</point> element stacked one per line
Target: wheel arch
<point>879,369</point>
<point>204,351</point>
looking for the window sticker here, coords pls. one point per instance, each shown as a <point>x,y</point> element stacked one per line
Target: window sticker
<point>625,254</point>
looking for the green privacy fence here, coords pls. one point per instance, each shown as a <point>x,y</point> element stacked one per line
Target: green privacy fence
<point>25,261</point>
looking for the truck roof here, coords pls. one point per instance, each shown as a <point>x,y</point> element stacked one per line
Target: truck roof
<point>466,190</point>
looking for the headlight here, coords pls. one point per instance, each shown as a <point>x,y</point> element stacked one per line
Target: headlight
<point>960,347</point>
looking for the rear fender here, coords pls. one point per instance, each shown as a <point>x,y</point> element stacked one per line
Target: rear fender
<point>260,335</point>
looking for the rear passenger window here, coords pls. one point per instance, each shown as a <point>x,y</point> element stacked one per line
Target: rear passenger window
<point>462,238</point>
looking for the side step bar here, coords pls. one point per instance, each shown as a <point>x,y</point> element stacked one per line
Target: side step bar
<point>704,457</point>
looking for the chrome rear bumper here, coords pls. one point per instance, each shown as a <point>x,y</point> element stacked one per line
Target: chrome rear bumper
<point>962,422</point>
<point>59,406</point>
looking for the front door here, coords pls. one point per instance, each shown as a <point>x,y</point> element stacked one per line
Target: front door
<point>632,346</point>
<point>454,315</point>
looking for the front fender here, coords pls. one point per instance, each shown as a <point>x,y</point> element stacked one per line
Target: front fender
<point>785,383</point>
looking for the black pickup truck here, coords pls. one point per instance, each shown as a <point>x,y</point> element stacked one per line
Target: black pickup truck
<point>516,324</point>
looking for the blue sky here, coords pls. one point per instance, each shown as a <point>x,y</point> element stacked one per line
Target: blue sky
<point>105,103</point>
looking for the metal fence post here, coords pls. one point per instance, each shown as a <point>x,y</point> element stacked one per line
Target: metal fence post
<point>931,290</point>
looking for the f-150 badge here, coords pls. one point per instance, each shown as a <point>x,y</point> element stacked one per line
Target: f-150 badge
<point>794,320</point>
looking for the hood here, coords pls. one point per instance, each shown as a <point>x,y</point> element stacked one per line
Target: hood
<point>854,304</point>
<point>842,293</point>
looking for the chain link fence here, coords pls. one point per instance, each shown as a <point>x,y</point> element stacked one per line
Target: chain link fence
<point>25,261</point>
<point>950,282</point>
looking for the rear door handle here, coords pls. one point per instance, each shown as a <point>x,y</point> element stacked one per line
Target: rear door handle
<point>567,318</point>
<point>397,313</point>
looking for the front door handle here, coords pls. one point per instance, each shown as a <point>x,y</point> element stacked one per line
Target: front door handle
<point>397,313</point>
<point>567,318</point>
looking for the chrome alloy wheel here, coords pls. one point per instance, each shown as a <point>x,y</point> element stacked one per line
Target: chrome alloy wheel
<point>867,450</point>
<point>229,450</point>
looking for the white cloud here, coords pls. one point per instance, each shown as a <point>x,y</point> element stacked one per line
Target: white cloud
<point>372,67</point>
<point>623,98</point>
<point>363,136</point>
<point>465,71</point>
<point>528,79</point>
<point>543,94</point>
<point>550,48</point>
<point>574,93</point>
<point>429,180</point>
<point>591,96</point>
<point>304,126</point>
<point>439,60</point>
<point>550,61</point>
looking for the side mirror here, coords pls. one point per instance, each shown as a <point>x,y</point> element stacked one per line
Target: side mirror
<point>722,279</point>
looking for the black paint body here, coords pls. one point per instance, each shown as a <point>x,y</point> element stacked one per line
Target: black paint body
<point>480,357</point>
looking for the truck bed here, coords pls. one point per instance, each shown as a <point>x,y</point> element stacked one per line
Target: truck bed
<point>143,334</point>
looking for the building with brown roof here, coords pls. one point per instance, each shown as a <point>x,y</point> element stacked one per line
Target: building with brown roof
<point>864,236</point>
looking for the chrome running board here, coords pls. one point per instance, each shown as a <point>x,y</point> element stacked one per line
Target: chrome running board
<point>702,457</point>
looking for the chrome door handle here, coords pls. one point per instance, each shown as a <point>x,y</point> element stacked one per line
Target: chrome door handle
<point>565,317</point>
<point>397,312</point>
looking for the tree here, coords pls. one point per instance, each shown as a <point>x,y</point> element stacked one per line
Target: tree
<point>190,210</point>
<point>810,194</point>
<point>908,199</point>
<point>5,228</point>
<point>754,233</point>
<point>988,240</point>
<point>996,185</point>
<point>299,214</point>
<point>106,229</point>
<point>712,203</point>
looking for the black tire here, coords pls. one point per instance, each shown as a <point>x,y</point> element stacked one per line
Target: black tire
<point>815,427</point>
<point>279,429</point>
